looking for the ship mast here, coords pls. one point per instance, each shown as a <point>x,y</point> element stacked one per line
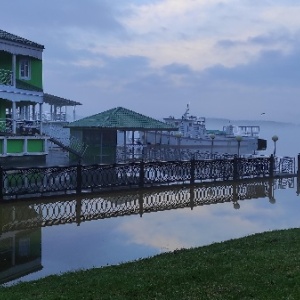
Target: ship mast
<point>184,116</point>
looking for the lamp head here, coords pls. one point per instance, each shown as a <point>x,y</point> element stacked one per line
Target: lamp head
<point>239,138</point>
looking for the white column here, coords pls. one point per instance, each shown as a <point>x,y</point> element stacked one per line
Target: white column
<point>22,112</point>
<point>26,112</point>
<point>46,150</point>
<point>14,121</point>
<point>25,145</point>
<point>33,113</point>
<point>5,146</point>
<point>14,69</point>
<point>41,117</point>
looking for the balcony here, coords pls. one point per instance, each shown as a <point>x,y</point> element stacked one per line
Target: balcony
<point>23,127</point>
<point>6,77</point>
<point>17,90</point>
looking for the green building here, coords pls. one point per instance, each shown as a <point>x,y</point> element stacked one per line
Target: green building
<point>21,99</point>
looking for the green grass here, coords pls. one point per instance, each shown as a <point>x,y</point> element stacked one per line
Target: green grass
<point>261,266</point>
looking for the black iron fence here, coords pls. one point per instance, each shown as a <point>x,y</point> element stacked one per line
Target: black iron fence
<point>47,181</point>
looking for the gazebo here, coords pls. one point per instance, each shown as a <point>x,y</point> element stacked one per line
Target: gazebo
<point>102,132</point>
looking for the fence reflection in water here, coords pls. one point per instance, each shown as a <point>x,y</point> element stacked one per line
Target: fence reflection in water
<point>31,214</point>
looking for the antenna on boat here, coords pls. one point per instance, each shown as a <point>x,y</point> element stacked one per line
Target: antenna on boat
<point>186,111</point>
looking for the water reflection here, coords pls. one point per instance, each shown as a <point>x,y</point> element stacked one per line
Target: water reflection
<point>21,222</point>
<point>20,254</point>
<point>24,215</point>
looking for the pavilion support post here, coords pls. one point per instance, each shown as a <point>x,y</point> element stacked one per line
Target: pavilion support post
<point>132,145</point>
<point>124,149</point>
<point>101,149</point>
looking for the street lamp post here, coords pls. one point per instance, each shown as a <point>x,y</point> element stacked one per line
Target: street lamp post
<point>212,136</point>
<point>275,139</point>
<point>239,138</point>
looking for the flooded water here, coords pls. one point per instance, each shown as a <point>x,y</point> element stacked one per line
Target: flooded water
<point>56,236</point>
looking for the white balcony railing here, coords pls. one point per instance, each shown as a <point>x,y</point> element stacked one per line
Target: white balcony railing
<point>6,77</point>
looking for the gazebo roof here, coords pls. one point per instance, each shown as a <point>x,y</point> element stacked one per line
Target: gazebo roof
<point>120,118</point>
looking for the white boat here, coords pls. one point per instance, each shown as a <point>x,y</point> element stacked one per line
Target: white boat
<point>193,135</point>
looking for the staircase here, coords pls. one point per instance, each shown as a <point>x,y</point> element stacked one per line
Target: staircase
<point>68,148</point>
<point>60,136</point>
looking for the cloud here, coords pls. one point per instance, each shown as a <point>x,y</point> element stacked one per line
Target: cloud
<point>199,34</point>
<point>145,54</point>
<point>270,70</point>
<point>50,16</point>
<point>183,228</point>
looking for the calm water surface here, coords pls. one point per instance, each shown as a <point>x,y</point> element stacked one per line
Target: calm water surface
<point>60,248</point>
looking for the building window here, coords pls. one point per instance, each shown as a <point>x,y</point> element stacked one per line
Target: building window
<point>25,69</point>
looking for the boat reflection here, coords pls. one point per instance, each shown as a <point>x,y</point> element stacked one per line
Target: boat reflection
<point>21,222</point>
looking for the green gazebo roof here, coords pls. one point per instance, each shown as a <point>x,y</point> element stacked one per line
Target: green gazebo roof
<point>17,39</point>
<point>120,118</point>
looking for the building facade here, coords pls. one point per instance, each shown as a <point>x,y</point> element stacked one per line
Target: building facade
<point>21,99</point>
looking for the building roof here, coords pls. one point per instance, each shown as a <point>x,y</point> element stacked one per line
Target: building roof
<point>120,118</point>
<point>58,101</point>
<point>17,39</point>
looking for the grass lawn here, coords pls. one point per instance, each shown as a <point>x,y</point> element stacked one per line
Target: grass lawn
<point>260,266</point>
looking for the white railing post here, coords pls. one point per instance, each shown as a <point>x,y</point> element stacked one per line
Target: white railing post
<point>14,70</point>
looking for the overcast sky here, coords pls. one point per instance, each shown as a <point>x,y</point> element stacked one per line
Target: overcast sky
<point>230,59</point>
